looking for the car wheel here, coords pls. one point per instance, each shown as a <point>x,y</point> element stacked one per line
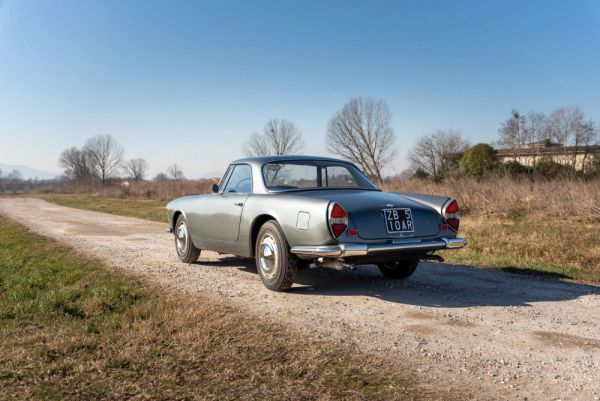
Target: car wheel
<point>398,270</point>
<point>276,266</point>
<point>184,246</point>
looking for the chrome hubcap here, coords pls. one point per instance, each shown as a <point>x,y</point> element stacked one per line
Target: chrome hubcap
<point>268,256</point>
<point>181,238</point>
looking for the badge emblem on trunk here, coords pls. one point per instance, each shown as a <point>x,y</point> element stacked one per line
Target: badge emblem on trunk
<point>389,205</point>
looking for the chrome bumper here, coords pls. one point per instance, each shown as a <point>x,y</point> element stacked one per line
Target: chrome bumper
<point>349,250</point>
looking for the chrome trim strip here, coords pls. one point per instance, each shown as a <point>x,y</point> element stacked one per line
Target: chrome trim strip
<point>349,250</point>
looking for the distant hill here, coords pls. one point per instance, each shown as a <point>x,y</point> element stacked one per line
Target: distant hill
<point>27,172</point>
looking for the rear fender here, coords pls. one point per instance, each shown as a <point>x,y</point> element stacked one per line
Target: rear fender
<point>433,201</point>
<point>285,210</point>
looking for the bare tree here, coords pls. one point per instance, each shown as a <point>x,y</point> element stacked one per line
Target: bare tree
<point>76,163</point>
<point>512,132</point>
<point>105,156</point>
<point>361,133</point>
<point>175,173</point>
<point>136,169</point>
<point>564,124</point>
<point>432,151</point>
<point>537,127</point>
<point>569,126</point>
<point>279,137</point>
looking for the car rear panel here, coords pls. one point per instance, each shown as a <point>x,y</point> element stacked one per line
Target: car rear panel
<point>365,209</point>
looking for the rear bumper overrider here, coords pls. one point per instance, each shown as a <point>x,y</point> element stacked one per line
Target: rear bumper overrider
<point>399,246</point>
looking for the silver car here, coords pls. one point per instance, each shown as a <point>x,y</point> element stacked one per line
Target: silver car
<point>294,212</point>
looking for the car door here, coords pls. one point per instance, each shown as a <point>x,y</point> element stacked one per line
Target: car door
<point>220,221</point>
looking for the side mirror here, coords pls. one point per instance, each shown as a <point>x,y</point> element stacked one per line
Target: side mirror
<point>215,188</point>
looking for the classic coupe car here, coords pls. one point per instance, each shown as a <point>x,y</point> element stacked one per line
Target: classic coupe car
<point>292,212</point>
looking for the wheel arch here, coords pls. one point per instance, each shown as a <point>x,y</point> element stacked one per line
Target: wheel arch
<point>255,228</point>
<point>174,218</point>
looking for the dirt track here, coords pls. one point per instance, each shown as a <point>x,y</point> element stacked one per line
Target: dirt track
<point>508,335</point>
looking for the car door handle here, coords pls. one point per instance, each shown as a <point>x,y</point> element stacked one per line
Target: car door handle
<point>240,204</point>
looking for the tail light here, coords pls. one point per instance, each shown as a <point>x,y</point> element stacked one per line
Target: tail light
<point>451,214</point>
<point>338,220</point>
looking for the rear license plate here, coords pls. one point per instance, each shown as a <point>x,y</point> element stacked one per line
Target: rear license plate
<point>398,220</point>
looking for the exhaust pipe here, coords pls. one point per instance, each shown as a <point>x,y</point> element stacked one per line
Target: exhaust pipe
<point>330,263</point>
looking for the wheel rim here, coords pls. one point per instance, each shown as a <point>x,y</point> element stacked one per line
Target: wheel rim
<point>181,240</point>
<point>268,256</point>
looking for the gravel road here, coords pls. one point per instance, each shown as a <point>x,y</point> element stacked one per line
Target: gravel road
<point>500,335</point>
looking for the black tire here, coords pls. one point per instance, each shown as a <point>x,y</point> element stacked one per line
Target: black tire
<point>186,251</point>
<point>276,266</point>
<point>399,270</point>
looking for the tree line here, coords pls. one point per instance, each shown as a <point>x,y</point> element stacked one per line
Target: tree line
<point>447,153</point>
<point>566,126</point>
<point>361,132</point>
<point>13,181</point>
<point>102,158</point>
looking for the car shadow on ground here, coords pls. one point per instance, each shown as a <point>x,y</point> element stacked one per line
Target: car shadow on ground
<point>229,261</point>
<point>442,285</point>
<point>433,285</point>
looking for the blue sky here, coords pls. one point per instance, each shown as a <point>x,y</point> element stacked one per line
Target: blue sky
<point>187,82</point>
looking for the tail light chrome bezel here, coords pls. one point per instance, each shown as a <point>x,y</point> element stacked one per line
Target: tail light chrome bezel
<point>337,224</point>
<point>451,217</point>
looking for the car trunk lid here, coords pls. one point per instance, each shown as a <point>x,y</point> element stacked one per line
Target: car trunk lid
<point>365,209</point>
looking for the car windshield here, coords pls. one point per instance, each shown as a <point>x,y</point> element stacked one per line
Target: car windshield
<point>281,176</point>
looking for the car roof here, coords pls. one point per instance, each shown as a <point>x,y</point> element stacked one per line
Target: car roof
<point>260,160</point>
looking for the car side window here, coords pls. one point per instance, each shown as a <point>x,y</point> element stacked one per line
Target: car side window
<point>240,180</point>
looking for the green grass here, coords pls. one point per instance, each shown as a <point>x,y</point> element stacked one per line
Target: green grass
<point>141,208</point>
<point>72,328</point>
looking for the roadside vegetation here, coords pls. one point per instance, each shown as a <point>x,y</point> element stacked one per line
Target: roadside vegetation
<point>72,328</point>
<point>547,227</point>
<point>522,225</point>
<point>148,209</point>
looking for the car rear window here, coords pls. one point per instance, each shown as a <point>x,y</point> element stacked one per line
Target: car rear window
<point>338,176</point>
<point>318,174</point>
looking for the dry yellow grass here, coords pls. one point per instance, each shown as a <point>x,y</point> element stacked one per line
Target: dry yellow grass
<point>548,227</point>
<point>565,247</point>
<point>160,191</point>
<point>506,197</point>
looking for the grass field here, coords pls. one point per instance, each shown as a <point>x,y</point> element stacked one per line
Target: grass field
<point>141,208</point>
<point>533,243</point>
<point>565,246</point>
<point>72,328</point>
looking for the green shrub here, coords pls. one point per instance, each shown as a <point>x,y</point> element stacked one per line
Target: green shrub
<point>549,169</point>
<point>420,174</point>
<point>478,160</point>
<point>592,166</point>
<point>514,169</point>
<point>451,167</point>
